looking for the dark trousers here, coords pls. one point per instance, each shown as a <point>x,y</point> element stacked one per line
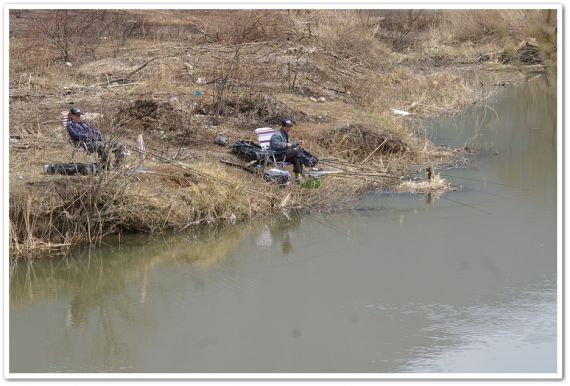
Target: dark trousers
<point>103,148</point>
<point>291,155</point>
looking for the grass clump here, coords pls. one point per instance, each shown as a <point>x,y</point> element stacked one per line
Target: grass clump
<point>357,142</point>
<point>436,185</point>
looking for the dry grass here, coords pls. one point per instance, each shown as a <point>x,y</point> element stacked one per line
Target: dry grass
<point>357,143</point>
<point>474,25</point>
<point>252,67</point>
<point>54,212</point>
<point>435,186</point>
<point>421,94</point>
<point>65,210</point>
<point>105,67</point>
<point>350,33</point>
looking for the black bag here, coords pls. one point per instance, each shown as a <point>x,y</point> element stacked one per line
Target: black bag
<point>247,150</point>
<point>251,151</point>
<point>307,158</point>
<point>278,176</point>
<point>70,169</point>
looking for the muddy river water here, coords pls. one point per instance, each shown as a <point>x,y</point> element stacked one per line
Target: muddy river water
<point>397,284</point>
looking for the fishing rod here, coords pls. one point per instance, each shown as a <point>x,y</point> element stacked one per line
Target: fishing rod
<point>271,197</point>
<point>362,173</point>
<point>344,174</point>
<point>202,174</point>
<point>187,168</point>
<point>338,162</point>
<point>170,161</point>
<point>244,168</point>
<point>333,160</point>
<point>316,174</point>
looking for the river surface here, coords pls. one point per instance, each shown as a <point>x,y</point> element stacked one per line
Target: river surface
<point>464,283</point>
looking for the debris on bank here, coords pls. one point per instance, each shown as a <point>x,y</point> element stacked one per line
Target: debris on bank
<point>436,185</point>
<point>528,52</point>
<point>400,112</point>
<point>147,115</point>
<point>69,169</point>
<point>221,140</point>
<point>251,108</point>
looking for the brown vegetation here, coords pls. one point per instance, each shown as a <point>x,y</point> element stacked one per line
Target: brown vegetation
<point>357,143</point>
<point>182,77</point>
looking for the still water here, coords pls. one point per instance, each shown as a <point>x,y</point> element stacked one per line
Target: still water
<point>396,284</point>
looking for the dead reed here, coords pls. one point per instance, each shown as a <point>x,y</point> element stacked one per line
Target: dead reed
<point>436,185</point>
<point>358,143</point>
<point>179,77</point>
<point>53,215</point>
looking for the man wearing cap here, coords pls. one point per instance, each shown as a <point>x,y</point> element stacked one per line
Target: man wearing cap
<point>82,134</point>
<point>287,151</point>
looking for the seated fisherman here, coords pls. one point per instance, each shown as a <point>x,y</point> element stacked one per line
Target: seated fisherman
<point>286,150</point>
<point>82,134</point>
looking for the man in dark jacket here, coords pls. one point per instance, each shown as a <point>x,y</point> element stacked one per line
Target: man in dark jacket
<point>83,135</point>
<point>286,150</point>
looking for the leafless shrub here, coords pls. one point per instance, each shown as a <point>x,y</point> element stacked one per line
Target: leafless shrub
<point>118,27</point>
<point>243,26</point>
<point>415,20</point>
<point>350,35</point>
<point>401,27</point>
<point>253,109</point>
<point>484,23</point>
<point>157,119</point>
<point>73,34</point>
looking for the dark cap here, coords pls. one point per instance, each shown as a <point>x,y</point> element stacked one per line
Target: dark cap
<point>287,122</point>
<point>75,111</point>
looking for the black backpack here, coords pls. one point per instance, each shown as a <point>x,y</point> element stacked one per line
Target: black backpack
<point>247,150</point>
<point>251,151</point>
<point>307,158</point>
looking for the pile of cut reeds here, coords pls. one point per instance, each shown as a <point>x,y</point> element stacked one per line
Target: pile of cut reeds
<point>528,53</point>
<point>357,143</point>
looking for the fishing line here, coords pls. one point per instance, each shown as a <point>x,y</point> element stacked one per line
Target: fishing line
<point>187,168</point>
<point>490,194</point>
<point>336,228</point>
<point>362,173</point>
<point>152,152</point>
<point>202,174</point>
<point>478,180</point>
<point>478,191</point>
<point>334,160</point>
<point>467,205</point>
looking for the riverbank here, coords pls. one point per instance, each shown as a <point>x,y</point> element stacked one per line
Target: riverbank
<point>181,81</point>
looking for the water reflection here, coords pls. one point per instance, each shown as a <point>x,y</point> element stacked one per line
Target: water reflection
<point>250,291</point>
<point>104,289</point>
<point>90,274</point>
<point>278,232</point>
<point>517,134</point>
<point>398,283</point>
<point>492,331</point>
